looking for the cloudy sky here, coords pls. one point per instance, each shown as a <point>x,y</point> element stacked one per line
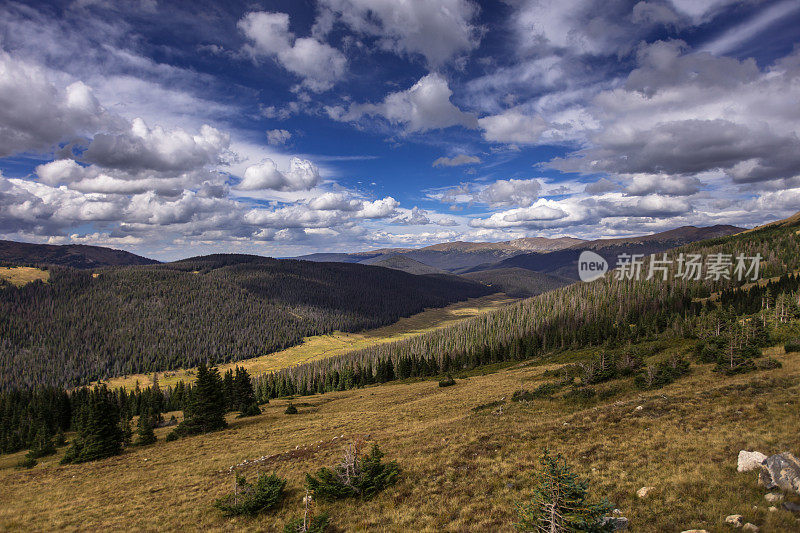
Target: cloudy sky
<point>280,128</point>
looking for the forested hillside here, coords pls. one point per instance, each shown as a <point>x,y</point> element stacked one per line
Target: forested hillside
<point>519,282</point>
<point>71,255</point>
<point>78,327</point>
<point>609,311</point>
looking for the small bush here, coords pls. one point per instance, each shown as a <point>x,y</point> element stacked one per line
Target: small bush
<point>290,410</point>
<point>490,405</point>
<point>448,381</point>
<point>252,410</point>
<point>545,390</point>
<point>28,462</point>
<point>580,395</point>
<point>663,373</point>
<point>316,524</point>
<point>768,363</point>
<point>355,476</point>
<point>172,436</point>
<point>792,346</point>
<point>252,499</point>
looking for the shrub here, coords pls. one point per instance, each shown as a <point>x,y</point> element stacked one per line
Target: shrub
<point>768,364</point>
<point>252,410</point>
<point>579,394</point>
<point>354,477</point>
<point>663,373</point>
<point>290,410</point>
<point>172,436</point>
<point>560,502</point>
<point>792,346</point>
<point>448,381</point>
<point>314,524</point>
<point>28,462</point>
<point>252,499</point>
<point>490,405</point>
<point>545,390</point>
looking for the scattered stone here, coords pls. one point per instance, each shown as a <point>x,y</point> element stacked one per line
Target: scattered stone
<point>750,527</point>
<point>639,407</point>
<point>791,507</point>
<point>644,491</point>
<point>694,531</point>
<point>772,509</point>
<point>781,471</point>
<point>749,461</point>
<point>736,520</point>
<point>618,523</point>
<point>773,497</point>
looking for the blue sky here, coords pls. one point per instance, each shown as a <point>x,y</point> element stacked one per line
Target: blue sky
<point>282,128</point>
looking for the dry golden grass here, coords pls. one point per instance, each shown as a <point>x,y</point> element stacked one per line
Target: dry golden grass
<point>463,469</point>
<point>338,343</point>
<point>19,276</point>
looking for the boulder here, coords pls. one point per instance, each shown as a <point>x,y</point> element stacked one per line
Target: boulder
<point>781,471</point>
<point>773,497</point>
<point>750,527</point>
<point>618,523</point>
<point>736,520</point>
<point>644,491</point>
<point>749,461</point>
<point>791,507</point>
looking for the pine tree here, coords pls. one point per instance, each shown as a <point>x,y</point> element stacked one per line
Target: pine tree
<point>206,409</point>
<point>560,502</point>
<point>42,443</point>
<point>145,434</point>
<point>244,396</point>
<point>99,433</point>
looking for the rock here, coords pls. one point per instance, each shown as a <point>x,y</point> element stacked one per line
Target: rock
<point>749,461</point>
<point>772,509</point>
<point>618,523</point>
<point>644,491</point>
<point>639,407</point>
<point>694,531</point>
<point>736,520</point>
<point>781,471</point>
<point>773,497</point>
<point>792,507</point>
<point>750,527</point>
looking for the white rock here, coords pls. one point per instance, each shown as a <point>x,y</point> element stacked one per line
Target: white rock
<point>773,509</point>
<point>750,527</point>
<point>749,461</point>
<point>736,520</point>
<point>773,497</point>
<point>639,407</point>
<point>642,493</point>
<point>694,531</point>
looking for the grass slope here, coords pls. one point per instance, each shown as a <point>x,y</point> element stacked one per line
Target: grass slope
<point>463,468</point>
<point>19,276</point>
<point>339,343</point>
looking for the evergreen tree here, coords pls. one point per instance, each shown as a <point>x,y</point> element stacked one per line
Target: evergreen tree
<point>206,409</point>
<point>244,396</point>
<point>145,434</point>
<point>42,443</point>
<point>99,432</point>
<point>560,502</point>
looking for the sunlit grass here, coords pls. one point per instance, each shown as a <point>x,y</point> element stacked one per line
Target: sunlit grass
<point>20,276</point>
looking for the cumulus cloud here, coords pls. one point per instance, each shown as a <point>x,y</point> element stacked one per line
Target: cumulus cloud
<point>513,126</point>
<point>456,161</point>
<point>644,184</point>
<point>683,114</point>
<point>496,194</point>
<point>317,63</point>
<point>277,137</point>
<point>302,175</point>
<point>436,30</point>
<point>423,107</point>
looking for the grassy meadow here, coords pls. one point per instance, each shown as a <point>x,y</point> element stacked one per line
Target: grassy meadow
<point>337,343</point>
<point>19,276</point>
<point>467,453</point>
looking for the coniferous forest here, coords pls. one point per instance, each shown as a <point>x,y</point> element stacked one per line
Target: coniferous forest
<point>82,326</point>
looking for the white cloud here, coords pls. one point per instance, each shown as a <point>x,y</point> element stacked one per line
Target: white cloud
<point>436,30</point>
<point>302,175</point>
<point>499,193</point>
<point>513,126</point>
<point>318,64</point>
<point>456,161</point>
<point>425,106</point>
<point>277,137</point>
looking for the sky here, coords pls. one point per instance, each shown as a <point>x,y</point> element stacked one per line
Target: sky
<point>174,129</point>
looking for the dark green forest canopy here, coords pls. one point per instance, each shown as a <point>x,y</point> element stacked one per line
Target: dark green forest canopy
<point>78,328</point>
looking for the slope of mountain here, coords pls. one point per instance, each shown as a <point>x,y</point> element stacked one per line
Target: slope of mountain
<point>70,255</point>
<point>454,256</point>
<point>518,282</point>
<point>404,263</point>
<point>565,262</point>
<point>78,327</point>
